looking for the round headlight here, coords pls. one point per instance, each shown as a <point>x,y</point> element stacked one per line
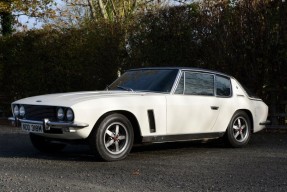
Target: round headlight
<point>16,110</point>
<point>22,111</point>
<point>60,114</point>
<point>70,115</point>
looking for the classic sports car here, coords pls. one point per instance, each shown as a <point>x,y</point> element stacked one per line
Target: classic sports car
<point>144,105</point>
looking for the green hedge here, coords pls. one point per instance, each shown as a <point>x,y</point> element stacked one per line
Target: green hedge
<point>40,62</point>
<point>247,40</point>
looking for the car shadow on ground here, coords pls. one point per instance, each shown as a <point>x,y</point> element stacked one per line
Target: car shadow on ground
<point>212,143</point>
<point>18,146</point>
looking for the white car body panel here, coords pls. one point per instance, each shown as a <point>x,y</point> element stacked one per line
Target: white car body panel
<point>188,114</point>
<point>137,104</point>
<point>88,107</point>
<point>173,114</point>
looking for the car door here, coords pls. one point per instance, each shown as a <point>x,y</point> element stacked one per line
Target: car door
<point>193,108</point>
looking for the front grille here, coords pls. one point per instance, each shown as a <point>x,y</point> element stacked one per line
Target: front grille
<point>38,113</point>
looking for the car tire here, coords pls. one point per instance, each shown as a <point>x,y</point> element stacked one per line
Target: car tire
<point>112,140</point>
<point>238,132</point>
<point>45,145</point>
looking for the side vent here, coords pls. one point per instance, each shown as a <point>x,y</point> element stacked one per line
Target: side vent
<point>151,121</point>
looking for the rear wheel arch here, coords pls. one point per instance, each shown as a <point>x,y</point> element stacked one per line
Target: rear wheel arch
<point>250,116</point>
<point>239,129</point>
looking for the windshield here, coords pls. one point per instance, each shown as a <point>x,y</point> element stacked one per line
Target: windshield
<point>151,80</point>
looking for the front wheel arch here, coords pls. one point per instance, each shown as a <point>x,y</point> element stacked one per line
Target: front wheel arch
<point>131,117</point>
<point>113,139</point>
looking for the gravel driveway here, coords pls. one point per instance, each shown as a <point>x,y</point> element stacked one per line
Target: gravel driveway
<point>186,166</point>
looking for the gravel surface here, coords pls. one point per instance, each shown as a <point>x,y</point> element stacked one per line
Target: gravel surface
<point>186,166</point>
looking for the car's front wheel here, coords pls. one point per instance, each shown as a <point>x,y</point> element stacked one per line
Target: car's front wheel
<point>45,145</point>
<point>113,139</point>
<point>238,132</point>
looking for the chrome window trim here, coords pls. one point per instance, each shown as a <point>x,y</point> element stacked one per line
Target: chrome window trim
<point>176,82</point>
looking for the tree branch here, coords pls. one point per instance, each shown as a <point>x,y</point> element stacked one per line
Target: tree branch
<point>114,8</point>
<point>92,9</point>
<point>78,4</point>
<point>103,9</point>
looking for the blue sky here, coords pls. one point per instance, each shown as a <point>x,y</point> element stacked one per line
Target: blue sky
<point>31,22</point>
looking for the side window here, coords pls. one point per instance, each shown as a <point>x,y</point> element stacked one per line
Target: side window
<point>192,83</point>
<point>223,86</point>
<point>199,84</point>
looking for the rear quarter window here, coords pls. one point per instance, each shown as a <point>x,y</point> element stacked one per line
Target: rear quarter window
<point>223,86</point>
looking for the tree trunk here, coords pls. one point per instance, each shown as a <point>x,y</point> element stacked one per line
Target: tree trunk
<point>6,19</point>
<point>6,23</point>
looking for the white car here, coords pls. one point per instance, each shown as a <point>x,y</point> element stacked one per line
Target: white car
<point>144,105</point>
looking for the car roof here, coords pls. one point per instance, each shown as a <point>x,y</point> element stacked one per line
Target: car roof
<point>183,69</point>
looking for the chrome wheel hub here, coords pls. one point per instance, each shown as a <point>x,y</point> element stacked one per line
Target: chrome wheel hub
<point>116,138</point>
<point>240,129</point>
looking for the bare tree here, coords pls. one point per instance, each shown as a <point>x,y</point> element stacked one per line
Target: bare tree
<point>10,10</point>
<point>109,10</point>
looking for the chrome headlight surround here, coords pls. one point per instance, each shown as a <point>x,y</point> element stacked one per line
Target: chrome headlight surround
<point>16,111</point>
<point>60,114</point>
<point>69,114</point>
<point>22,111</point>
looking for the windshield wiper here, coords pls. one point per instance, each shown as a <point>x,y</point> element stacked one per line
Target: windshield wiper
<point>125,88</point>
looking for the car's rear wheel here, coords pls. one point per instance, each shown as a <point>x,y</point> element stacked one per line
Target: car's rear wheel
<point>113,139</point>
<point>238,132</point>
<point>45,145</point>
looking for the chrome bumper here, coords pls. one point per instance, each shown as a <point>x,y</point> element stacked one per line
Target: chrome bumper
<point>48,124</point>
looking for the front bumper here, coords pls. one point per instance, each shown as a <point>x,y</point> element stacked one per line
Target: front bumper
<point>47,124</point>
